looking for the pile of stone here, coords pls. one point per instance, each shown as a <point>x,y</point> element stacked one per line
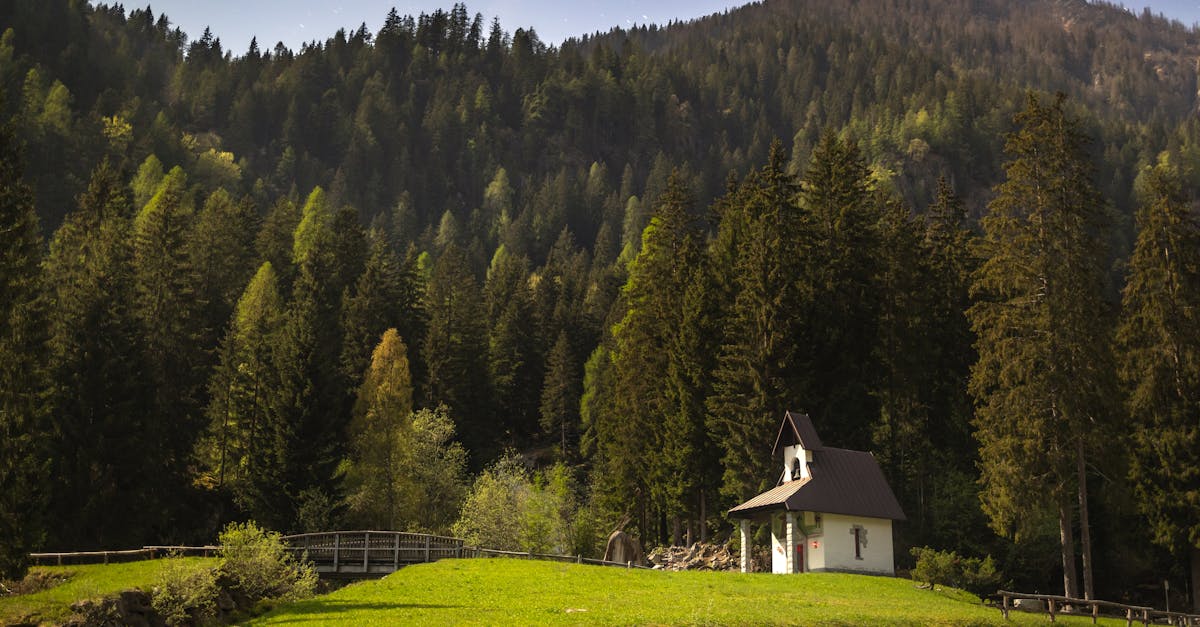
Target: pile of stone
<point>698,556</point>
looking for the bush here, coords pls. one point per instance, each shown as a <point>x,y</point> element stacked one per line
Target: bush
<point>510,509</point>
<point>949,569</point>
<point>185,594</point>
<point>259,565</point>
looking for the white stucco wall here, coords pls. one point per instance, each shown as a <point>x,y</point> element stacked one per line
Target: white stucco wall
<point>778,557</point>
<point>814,545</point>
<point>837,543</point>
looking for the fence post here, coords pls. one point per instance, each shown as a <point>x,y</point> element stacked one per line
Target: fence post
<point>1004,606</point>
<point>366,551</point>
<point>337,545</point>
<point>427,548</point>
<point>1050,607</point>
<point>396,557</point>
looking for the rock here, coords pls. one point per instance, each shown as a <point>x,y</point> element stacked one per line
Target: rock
<point>698,556</point>
<point>1030,605</point>
<point>623,548</point>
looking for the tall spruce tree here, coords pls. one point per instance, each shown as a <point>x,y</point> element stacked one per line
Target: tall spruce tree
<point>23,435</point>
<point>454,353</point>
<point>238,437</point>
<point>1045,369</point>
<point>99,394</point>
<point>840,273</point>
<point>655,390</point>
<point>755,377</point>
<point>171,325</point>
<point>560,399</point>
<point>1159,339</point>
<point>514,364</point>
<point>297,487</point>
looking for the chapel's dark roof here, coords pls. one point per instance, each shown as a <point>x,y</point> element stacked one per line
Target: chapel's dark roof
<point>796,427</point>
<point>840,482</point>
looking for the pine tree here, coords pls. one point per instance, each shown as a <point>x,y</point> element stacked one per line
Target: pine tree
<point>23,433</point>
<point>514,365</point>
<point>171,325</point>
<point>1044,367</point>
<point>838,325</point>
<point>655,394</point>
<point>100,392</point>
<point>273,242</point>
<point>454,350</point>
<point>220,253</point>
<point>1159,338</point>
<point>380,299</point>
<point>560,398</point>
<point>235,443</point>
<point>298,483</point>
<point>755,378</point>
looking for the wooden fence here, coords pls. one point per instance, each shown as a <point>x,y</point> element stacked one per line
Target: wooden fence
<point>1132,613</point>
<point>572,559</point>
<point>131,555</point>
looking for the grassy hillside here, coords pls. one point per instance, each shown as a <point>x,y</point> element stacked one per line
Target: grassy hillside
<point>88,581</point>
<point>505,591</point>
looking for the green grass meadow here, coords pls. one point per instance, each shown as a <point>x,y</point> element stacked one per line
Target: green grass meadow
<point>520,592</point>
<point>89,581</point>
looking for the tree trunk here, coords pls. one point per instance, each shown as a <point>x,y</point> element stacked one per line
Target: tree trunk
<point>1196,579</point>
<point>1066,536</point>
<point>1085,532</point>
<point>703,518</point>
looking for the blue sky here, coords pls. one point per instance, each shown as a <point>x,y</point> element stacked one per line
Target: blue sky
<point>296,21</point>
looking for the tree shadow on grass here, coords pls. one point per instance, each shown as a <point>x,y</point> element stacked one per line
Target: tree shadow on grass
<point>328,610</point>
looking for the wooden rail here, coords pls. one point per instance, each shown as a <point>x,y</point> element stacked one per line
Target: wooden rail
<point>1055,604</point>
<point>130,555</point>
<point>573,559</point>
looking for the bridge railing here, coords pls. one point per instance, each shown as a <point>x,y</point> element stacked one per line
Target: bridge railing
<point>371,551</point>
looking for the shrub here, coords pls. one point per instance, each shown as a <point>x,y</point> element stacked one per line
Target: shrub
<point>508,509</point>
<point>258,563</point>
<point>185,594</point>
<point>949,569</point>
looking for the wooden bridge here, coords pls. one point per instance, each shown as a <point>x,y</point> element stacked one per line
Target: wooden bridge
<point>370,553</point>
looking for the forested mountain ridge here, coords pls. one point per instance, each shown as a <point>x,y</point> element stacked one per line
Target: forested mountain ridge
<point>450,92</point>
<point>624,256</point>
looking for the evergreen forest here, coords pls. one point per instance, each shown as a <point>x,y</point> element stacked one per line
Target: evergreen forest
<point>410,278</point>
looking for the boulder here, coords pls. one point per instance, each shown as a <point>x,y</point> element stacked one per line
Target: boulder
<point>623,548</point>
<point>1030,605</point>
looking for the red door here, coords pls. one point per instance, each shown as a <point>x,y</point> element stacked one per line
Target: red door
<point>800,557</point>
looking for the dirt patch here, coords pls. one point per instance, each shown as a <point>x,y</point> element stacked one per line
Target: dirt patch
<point>35,581</point>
